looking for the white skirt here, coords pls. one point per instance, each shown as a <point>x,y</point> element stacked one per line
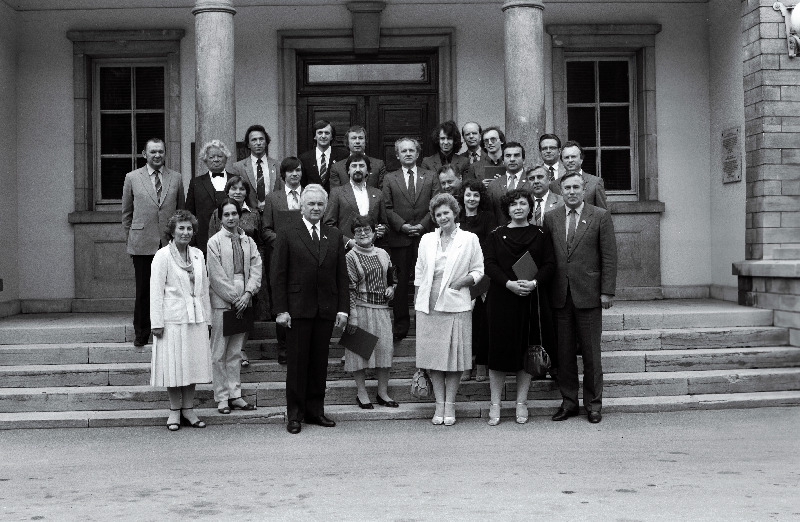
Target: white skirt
<point>181,356</point>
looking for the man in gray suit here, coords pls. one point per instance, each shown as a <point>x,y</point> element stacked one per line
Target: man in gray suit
<point>514,178</point>
<point>260,171</point>
<point>544,200</point>
<point>584,284</point>
<point>357,143</point>
<point>572,158</point>
<point>150,196</point>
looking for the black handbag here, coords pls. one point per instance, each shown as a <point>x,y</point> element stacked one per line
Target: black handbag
<point>391,276</point>
<point>536,361</point>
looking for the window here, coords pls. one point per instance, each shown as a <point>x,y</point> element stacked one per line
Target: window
<point>130,107</point>
<point>600,111</point>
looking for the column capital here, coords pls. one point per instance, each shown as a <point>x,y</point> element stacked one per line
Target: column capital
<point>213,6</point>
<point>536,4</point>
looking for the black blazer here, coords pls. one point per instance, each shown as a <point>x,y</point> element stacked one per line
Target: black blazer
<point>311,170</point>
<point>202,201</point>
<point>306,283</point>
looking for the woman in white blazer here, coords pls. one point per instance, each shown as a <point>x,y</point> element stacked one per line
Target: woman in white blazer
<point>449,262</point>
<point>234,269</point>
<point>180,314</point>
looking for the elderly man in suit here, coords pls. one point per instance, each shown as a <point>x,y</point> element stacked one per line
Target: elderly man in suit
<point>407,193</point>
<point>281,208</point>
<point>310,290</point>
<point>206,191</point>
<point>260,171</point>
<point>584,285</point>
<point>514,178</point>
<point>446,141</point>
<point>150,196</point>
<point>484,169</point>
<point>572,158</point>
<point>355,198</point>
<point>357,142</point>
<point>317,162</point>
<point>472,132</point>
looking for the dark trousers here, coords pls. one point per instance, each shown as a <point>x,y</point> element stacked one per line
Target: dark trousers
<point>280,335</point>
<point>141,307</point>
<point>404,258</point>
<point>307,367</point>
<point>480,333</point>
<point>584,326</point>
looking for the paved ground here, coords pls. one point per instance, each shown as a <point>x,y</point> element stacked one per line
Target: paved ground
<point>704,465</point>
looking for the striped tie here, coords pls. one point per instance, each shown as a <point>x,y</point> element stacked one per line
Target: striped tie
<point>158,186</point>
<point>538,214</point>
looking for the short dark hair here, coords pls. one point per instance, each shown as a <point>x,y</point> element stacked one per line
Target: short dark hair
<point>499,132</point>
<point>154,140</point>
<point>568,175</point>
<point>450,130</point>
<point>549,137</point>
<point>362,221</point>
<point>356,128</point>
<point>233,180</point>
<point>475,186</point>
<point>228,201</point>
<point>289,163</point>
<point>513,195</point>
<point>357,156</point>
<point>180,216</point>
<point>321,124</point>
<point>448,166</point>
<point>572,143</point>
<point>259,128</point>
<point>514,145</point>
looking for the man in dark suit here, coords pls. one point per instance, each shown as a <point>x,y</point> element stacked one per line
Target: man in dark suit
<point>472,132</point>
<point>317,162</point>
<point>208,190</point>
<point>493,141</point>
<point>357,142</point>
<point>550,150</point>
<point>572,158</point>
<point>150,196</point>
<point>407,193</point>
<point>356,198</point>
<point>514,178</point>
<point>281,208</point>
<point>310,290</point>
<point>260,171</point>
<point>446,141</point>
<point>584,284</point>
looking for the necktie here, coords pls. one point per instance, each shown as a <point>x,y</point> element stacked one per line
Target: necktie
<point>511,180</point>
<point>571,223</point>
<point>261,191</point>
<point>538,212</point>
<point>552,172</point>
<point>323,167</point>
<point>158,186</point>
<point>315,237</point>
<point>412,188</point>
<point>295,205</point>
<point>473,157</point>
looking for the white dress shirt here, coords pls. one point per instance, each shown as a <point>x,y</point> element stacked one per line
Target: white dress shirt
<point>405,175</point>
<point>362,198</point>
<point>219,182</point>
<point>577,217</point>
<point>516,178</point>
<point>150,171</point>
<point>264,171</point>
<point>326,154</point>
<point>290,199</point>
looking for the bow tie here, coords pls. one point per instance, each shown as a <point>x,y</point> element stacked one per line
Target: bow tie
<point>217,174</point>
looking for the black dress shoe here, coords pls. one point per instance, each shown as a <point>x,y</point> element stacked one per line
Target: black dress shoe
<point>400,336</point>
<point>282,359</point>
<point>553,374</point>
<point>595,417</point>
<point>388,404</point>
<point>138,342</point>
<point>365,405</point>
<point>322,420</point>
<point>294,427</point>
<point>563,414</point>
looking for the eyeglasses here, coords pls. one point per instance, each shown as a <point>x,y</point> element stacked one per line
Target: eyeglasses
<point>491,140</point>
<point>363,231</point>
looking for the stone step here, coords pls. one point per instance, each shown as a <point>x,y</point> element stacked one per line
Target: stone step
<point>629,340</point>
<point>138,374</point>
<point>466,412</point>
<point>272,394</point>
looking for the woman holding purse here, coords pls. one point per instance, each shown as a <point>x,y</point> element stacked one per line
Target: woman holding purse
<point>234,271</point>
<point>513,304</point>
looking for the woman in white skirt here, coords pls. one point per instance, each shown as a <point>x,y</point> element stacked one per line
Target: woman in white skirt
<point>449,262</point>
<point>370,292</point>
<point>180,312</point>
<point>234,270</point>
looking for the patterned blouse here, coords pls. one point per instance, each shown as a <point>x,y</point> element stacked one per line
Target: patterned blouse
<point>367,272</point>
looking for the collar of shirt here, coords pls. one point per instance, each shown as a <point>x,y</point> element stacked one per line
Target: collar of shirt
<point>543,198</point>
<point>150,170</point>
<point>494,163</point>
<point>405,171</point>
<point>254,162</point>
<point>577,210</point>
<point>326,153</point>
<point>478,151</point>
<point>289,190</point>
<point>516,176</point>
<point>358,186</point>
<point>308,225</point>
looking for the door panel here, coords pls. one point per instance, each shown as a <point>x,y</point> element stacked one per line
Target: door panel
<point>341,111</point>
<point>396,117</point>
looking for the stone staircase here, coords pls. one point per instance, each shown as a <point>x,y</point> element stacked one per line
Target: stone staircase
<point>82,370</point>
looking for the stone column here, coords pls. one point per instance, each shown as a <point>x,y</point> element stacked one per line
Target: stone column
<point>524,59</point>
<point>215,104</point>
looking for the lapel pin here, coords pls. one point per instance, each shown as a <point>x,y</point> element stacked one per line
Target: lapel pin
<point>324,237</point>
<point>583,221</point>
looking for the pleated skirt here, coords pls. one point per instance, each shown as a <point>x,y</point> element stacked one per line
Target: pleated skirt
<point>181,356</point>
<point>376,321</point>
<point>444,341</point>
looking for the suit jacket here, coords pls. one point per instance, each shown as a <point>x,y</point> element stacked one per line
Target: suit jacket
<point>305,282</point>
<point>311,169</point>
<point>276,209</point>
<point>270,167</point>
<point>434,163</point>
<point>465,155</point>
<point>589,268</point>
<point>173,298</point>
<point>464,257</point>
<point>595,190</point>
<point>553,201</point>
<point>402,209</point>
<point>221,269</point>
<point>202,200</point>
<point>375,179</point>
<point>478,169</point>
<point>559,169</point>
<point>144,220</point>
<point>497,189</point>
<point>342,209</point>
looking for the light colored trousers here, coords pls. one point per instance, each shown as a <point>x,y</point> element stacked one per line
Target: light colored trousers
<point>226,354</point>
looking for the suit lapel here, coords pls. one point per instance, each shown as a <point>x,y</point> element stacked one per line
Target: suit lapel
<point>350,196</point>
<point>148,185</point>
<point>561,231</point>
<point>401,181</point>
<point>251,176</point>
<point>305,237</point>
<point>452,257</point>
<point>212,192</point>
<point>374,197</point>
<point>323,243</point>
<point>583,224</point>
<point>421,180</point>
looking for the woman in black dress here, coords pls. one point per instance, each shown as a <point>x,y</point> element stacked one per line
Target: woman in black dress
<point>513,304</point>
<point>478,219</point>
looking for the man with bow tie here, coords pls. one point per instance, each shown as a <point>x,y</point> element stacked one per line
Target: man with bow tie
<point>208,190</point>
<point>317,162</point>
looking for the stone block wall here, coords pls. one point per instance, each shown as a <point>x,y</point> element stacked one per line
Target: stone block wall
<point>773,284</point>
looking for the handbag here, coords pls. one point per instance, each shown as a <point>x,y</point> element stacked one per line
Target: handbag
<point>421,385</point>
<point>391,276</point>
<point>536,361</point>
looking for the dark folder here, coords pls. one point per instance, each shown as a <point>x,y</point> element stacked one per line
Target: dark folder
<point>481,288</point>
<point>360,343</point>
<point>232,325</point>
<point>492,172</point>
<point>525,268</point>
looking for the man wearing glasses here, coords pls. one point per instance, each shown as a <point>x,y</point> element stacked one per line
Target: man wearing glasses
<point>550,150</point>
<point>491,164</point>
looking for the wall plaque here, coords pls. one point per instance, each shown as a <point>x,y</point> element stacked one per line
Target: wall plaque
<point>731,156</point>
